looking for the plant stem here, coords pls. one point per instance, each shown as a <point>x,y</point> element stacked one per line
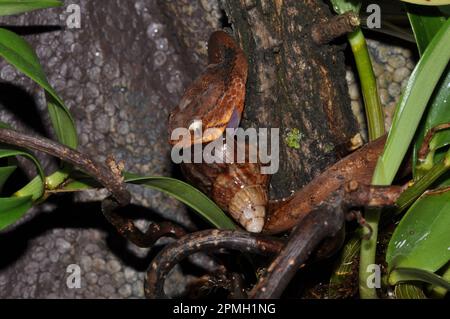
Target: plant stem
<point>440,292</point>
<point>413,192</point>
<point>52,182</point>
<point>368,253</point>
<point>374,110</point>
<point>375,122</point>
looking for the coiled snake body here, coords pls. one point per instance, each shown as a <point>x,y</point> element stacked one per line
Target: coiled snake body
<point>216,100</point>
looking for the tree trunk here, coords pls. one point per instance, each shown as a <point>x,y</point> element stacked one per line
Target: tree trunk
<point>294,85</point>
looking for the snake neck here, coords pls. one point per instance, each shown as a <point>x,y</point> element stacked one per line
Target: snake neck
<point>224,52</point>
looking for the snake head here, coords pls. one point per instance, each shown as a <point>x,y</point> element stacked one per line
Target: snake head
<point>215,100</point>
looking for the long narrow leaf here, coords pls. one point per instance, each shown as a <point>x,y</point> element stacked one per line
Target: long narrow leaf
<point>18,52</point>
<point>39,190</point>
<point>9,7</point>
<point>412,274</point>
<point>429,2</point>
<point>12,209</point>
<point>177,189</point>
<point>425,23</point>
<point>5,173</point>
<point>413,103</point>
<point>188,195</point>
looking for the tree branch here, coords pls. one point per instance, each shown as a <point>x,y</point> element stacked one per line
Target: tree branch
<point>335,27</point>
<point>127,229</point>
<point>326,221</point>
<point>109,176</point>
<point>173,253</point>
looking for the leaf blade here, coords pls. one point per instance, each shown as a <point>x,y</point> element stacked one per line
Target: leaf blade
<point>8,7</point>
<point>11,152</point>
<point>412,105</point>
<point>12,209</point>
<point>188,195</point>
<point>5,173</point>
<point>19,53</point>
<point>422,239</point>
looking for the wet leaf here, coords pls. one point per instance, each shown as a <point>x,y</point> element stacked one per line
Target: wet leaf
<point>422,238</point>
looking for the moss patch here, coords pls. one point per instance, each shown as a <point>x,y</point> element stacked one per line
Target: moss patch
<point>293,138</point>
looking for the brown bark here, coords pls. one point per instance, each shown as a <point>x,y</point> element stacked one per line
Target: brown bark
<point>293,84</point>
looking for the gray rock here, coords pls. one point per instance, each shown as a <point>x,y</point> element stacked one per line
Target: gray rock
<point>113,266</point>
<point>126,291</point>
<point>63,246</point>
<point>401,74</point>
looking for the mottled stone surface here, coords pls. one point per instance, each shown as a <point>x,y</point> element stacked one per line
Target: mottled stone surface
<point>392,64</point>
<point>120,74</point>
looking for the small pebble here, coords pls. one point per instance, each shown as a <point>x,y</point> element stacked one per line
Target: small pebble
<point>62,246</point>
<point>401,74</point>
<point>130,275</point>
<point>394,89</point>
<point>113,266</point>
<point>353,90</point>
<point>99,264</point>
<point>91,278</point>
<point>384,96</point>
<point>125,291</point>
<point>86,263</point>
<point>396,61</point>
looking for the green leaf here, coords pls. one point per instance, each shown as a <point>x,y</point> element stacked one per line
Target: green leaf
<point>4,125</point>
<point>12,209</point>
<point>445,10</point>
<point>39,189</point>
<point>419,186</point>
<point>408,291</point>
<point>413,274</point>
<point>188,195</point>
<point>5,173</point>
<point>438,113</point>
<point>412,105</point>
<point>18,52</point>
<point>428,2</point>
<point>179,190</point>
<point>343,6</point>
<point>9,7</point>
<point>425,23</point>
<point>344,268</point>
<point>422,238</point>
<point>77,184</point>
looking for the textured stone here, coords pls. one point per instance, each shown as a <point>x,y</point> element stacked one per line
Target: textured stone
<point>113,266</point>
<point>126,291</point>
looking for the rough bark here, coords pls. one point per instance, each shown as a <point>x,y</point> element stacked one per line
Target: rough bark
<point>294,84</point>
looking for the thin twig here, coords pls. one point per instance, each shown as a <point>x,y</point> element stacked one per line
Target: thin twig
<point>102,173</point>
<point>319,224</point>
<point>127,229</point>
<point>173,253</point>
<point>425,148</point>
<point>360,195</point>
<point>337,26</point>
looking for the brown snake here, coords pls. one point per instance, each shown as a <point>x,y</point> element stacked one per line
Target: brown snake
<point>216,99</point>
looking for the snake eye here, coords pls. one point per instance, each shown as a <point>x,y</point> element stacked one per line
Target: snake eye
<point>196,127</point>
